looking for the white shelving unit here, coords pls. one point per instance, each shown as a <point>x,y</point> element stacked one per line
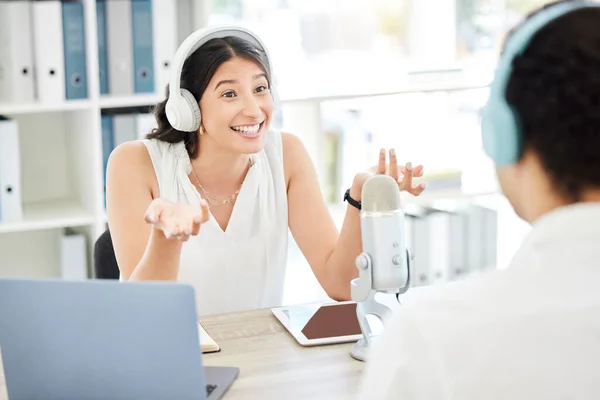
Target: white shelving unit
<point>61,162</point>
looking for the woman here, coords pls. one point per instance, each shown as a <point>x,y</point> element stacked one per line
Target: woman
<point>212,208</point>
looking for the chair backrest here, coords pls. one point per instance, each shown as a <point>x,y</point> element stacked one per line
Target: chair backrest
<point>105,262</point>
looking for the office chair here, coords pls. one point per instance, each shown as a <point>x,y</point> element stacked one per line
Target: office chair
<point>105,262</point>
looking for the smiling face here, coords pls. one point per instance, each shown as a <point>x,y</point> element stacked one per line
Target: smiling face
<point>237,106</point>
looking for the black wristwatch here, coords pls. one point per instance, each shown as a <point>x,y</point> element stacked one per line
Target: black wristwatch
<point>351,201</point>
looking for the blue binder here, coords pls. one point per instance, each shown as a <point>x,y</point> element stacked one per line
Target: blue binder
<point>143,52</point>
<point>102,53</point>
<point>74,50</point>
<point>108,143</point>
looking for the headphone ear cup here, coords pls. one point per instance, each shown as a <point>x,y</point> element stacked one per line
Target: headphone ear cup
<point>189,112</point>
<point>487,132</point>
<point>500,133</point>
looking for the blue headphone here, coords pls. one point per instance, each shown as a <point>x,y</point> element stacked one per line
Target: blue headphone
<point>500,128</point>
<point>182,108</point>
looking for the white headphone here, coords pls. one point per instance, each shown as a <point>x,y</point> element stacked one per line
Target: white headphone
<point>182,108</point>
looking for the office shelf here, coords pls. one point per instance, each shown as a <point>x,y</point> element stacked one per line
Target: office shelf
<point>36,108</point>
<point>49,215</point>
<point>129,101</point>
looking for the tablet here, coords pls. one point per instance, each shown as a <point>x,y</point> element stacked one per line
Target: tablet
<point>319,323</point>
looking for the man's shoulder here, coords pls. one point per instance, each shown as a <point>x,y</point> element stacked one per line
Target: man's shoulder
<point>417,337</point>
<point>460,291</point>
<point>457,308</point>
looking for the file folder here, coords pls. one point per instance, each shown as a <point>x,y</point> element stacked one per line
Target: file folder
<point>164,16</point>
<point>142,40</point>
<point>108,143</point>
<point>17,84</point>
<point>49,51</point>
<point>73,258</point>
<point>145,123</point>
<point>119,45</point>
<point>74,50</point>
<point>440,249</point>
<point>102,50</point>
<point>11,208</point>
<point>124,128</point>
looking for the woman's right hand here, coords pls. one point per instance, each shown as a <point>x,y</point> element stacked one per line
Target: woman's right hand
<point>177,221</point>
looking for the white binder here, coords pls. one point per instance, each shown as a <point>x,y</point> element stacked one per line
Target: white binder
<point>164,17</point>
<point>420,239</point>
<point>73,259</point>
<point>119,47</point>
<point>481,231</point>
<point>439,246</point>
<point>11,208</point>
<point>458,245</point>
<point>48,50</point>
<point>17,84</point>
<point>185,19</point>
<point>144,123</point>
<point>124,128</point>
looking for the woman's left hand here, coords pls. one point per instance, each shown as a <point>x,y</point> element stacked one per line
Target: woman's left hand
<point>403,175</point>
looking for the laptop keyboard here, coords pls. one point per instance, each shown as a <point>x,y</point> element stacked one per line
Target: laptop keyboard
<point>210,389</point>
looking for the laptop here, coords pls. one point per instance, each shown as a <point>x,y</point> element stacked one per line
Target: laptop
<point>104,339</point>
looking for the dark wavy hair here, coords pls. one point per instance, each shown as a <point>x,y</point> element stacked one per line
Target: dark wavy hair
<point>197,72</point>
<point>555,90</point>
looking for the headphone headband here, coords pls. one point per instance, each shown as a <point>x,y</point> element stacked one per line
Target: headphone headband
<point>500,124</point>
<point>182,108</point>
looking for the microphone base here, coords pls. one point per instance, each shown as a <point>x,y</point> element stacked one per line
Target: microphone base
<point>366,306</point>
<point>360,350</point>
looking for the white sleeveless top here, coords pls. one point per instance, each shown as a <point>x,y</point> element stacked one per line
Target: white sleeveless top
<point>243,267</point>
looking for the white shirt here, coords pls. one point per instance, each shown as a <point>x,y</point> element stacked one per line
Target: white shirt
<point>531,331</point>
<point>243,267</point>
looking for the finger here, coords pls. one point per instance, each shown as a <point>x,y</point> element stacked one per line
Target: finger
<point>418,171</point>
<point>172,230</point>
<point>154,211</point>
<point>168,230</point>
<point>187,230</point>
<point>381,165</point>
<point>393,172</point>
<point>204,213</point>
<point>177,231</point>
<point>150,218</point>
<point>407,179</point>
<point>196,227</point>
<point>417,190</point>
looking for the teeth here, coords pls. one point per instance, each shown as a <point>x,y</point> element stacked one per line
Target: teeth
<point>247,129</point>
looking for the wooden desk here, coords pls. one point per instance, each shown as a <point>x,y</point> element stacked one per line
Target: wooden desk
<point>272,364</point>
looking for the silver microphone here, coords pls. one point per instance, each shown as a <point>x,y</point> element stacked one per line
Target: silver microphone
<point>383,234</point>
<point>384,264</point>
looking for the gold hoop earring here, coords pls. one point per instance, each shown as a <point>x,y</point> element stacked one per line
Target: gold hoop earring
<point>201,130</point>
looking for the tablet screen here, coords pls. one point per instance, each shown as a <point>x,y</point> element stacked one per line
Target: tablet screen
<point>325,321</point>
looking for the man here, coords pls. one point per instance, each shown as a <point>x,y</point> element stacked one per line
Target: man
<point>531,331</point>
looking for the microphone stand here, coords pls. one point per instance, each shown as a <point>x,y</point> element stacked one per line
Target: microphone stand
<point>364,295</point>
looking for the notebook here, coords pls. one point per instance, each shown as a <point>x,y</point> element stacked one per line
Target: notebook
<point>207,343</point>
